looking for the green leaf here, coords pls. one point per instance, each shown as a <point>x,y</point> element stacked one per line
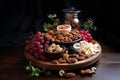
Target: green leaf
<point>38,70</point>
<point>88,25</point>
<point>52,16</point>
<point>36,74</point>
<point>55,24</point>
<point>46,26</point>
<point>33,69</point>
<point>27,68</point>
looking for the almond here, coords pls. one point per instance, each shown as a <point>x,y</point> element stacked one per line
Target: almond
<point>73,60</point>
<point>54,61</point>
<point>87,71</point>
<point>69,74</point>
<point>61,60</point>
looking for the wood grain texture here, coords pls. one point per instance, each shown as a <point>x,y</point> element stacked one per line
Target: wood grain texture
<point>13,60</point>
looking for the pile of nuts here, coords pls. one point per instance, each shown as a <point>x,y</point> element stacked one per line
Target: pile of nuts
<point>54,48</point>
<point>70,58</point>
<point>63,37</point>
<point>88,48</point>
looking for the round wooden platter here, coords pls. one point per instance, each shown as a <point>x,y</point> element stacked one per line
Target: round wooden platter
<point>65,66</point>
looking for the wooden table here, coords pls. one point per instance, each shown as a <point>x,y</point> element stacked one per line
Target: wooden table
<point>13,61</point>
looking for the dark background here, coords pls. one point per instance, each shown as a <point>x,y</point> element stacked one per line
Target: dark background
<point>19,17</point>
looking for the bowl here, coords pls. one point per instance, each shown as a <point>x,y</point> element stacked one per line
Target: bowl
<point>64,28</point>
<point>54,55</point>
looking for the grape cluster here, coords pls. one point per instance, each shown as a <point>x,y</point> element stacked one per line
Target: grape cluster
<point>35,45</point>
<point>86,36</point>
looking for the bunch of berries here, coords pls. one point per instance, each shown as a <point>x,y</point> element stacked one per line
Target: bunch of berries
<point>86,36</point>
<point>35,45</point>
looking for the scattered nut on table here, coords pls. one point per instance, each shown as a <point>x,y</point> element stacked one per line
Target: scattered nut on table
<point>61,72</point>
<point>69,74</point>
<point>66,74</point>
<point>88,71</point>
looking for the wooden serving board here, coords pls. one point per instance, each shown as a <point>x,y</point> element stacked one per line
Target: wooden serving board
<point>65,66</point>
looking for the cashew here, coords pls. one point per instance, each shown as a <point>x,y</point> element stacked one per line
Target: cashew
<point>61,72</point>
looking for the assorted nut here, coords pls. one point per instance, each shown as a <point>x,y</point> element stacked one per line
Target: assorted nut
<point>88,71</point>
<point>70,58</point>
<point>72,74</point>
<point>87,48</point>
<point>54,36</point>
<point>66,74</point>
<point>54,48</point>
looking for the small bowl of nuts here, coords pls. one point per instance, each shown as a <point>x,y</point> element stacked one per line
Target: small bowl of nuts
<point>64,28</point>
<point>54,51</point>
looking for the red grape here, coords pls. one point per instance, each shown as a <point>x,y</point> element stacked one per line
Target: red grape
<point>35,45</point>
<point>39,33</point>
<point>86,36</point>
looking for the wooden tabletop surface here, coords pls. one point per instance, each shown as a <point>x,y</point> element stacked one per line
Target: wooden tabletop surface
<point>13,61</point>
